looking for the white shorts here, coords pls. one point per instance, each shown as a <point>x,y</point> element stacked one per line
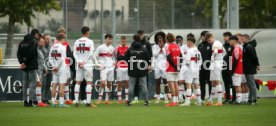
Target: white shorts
<point>59,78</point>
<point>192,80</point>
<point>122,74</point>
<point>81,74</point>
<point>68,73</point>
<point>236,80</point>
<point>243,79</point>
<point>215,75</point>
<point>159,73</point>
<point>107,74</point>
<point>183,74</point>
<point>172,76</point>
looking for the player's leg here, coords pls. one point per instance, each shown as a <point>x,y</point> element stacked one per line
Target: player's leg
<point>132,83</point>
<point>66,88</point>
<point>144,88</point>
<point>79,79</point>
<point>237,86</point>
<point>89,88</point>
<point>119,85</point>
<point>197,91</point>
<point>103,76</point>
<point>110,79</point>
<point>157,90</point>
<point>53,94</point>
<point>38,92</point>
<point>219,92</point>
<point>167,91</point>
<point>213,90</point>
<point>181,83</point>
<point>126,90</point>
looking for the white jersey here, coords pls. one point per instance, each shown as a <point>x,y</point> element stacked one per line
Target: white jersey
<point>184,48</point>
<point>193,62</point>
<point>57,56</point>
<point>83,50</point>
<point>218,53</point>
<point>105,55</point>
<point>160,57</point>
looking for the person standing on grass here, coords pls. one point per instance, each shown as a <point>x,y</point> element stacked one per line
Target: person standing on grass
<point>47,77</point>
<point>139,64</point>
<point>160,60</point>
<point>57,57</point>
<point>250,66</point>
<point>27,57</point>
<point>173,60</point>
<point>121,65</point>
<point>215,67</point>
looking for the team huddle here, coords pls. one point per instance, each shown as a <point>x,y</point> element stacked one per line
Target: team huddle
<point>182,68</point>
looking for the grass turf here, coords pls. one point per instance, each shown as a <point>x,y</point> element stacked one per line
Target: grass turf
<point>14,114</point>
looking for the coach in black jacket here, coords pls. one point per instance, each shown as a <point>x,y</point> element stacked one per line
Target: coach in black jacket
<point>138,64</point>
<point>27,57</point>
<point>250,66</point>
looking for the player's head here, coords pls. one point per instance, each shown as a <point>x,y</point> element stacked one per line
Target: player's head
<point>226,36</point>
<point>41,42</point>
<point>136,38</point>
<point>170,38</point>
<point>233,40</point>
<point>47,39</point>
<point>159,37</point>
<point>141,34</point>
<point>123,40</point>
<point>35,33</point>
<point>246,38</point>
<point>240,38</point>
<point>203,34</point>
<point>179,40</point>
<point>108,39</point>
<point>190,41</point>
<point>85,31</point>
<point>209,38</point>
<point>60,38</point>
<point>190,35</point>
<point>61,31</point>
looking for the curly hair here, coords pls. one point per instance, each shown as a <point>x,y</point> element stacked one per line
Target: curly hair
<point>162,34</point>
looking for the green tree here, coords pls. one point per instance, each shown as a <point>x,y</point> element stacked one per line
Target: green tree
<point>253,13</point>
<point>21,12</point>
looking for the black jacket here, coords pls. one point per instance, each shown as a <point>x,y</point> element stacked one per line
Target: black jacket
<point>206,52</point>
<point>147,45</point>
<point>229,50</point>
<point>137,53</point>
<point>250,59</point>
<point>27,52</point>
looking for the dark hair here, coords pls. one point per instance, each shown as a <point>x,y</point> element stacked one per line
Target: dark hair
<point>179,37</point>
<point>191,39</point>
<point>170,37</point>
<point>190,35</point>
<point>162,34</point>
<point>34,31</point>
<point>136,37</point>
<point>246,36</point>
<point>234,37</point>
<point>208,35</point>
<point>203,33</point>
<point>108,36</point>
<point>60,36</point>
<point>85,29</point>
<point>229,34</point>
<point>140,32</point>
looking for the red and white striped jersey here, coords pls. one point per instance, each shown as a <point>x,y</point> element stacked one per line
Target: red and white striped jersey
<point>83,50</point>
<point>237,55</point>
<point>193,61</point>
<point>57,56</point>
<point>105,55</point>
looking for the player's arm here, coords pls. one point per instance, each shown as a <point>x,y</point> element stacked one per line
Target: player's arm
<point>75,53</point>
<point>52,59</point>
<point>235,62</point>
<point>95,56</point>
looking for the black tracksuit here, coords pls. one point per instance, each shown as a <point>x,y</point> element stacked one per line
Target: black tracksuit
<point>204,74</point>
<point>226,73</point>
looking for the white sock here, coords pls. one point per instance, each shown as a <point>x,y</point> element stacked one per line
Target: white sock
<point>239,97</point>
<point>136,98</point>
<point>126,93</point>
<point>212,95</point>
<point>119,94</point>
<point>198,95</point>
<point>77,92</point>
<point>181,91</point>
<point>158,97</point>
<point>107,93</point>
<point>188,95</point>
<point>57,92</point>
<point>246,95</point>
<point>53,100</point>
<point>174,99</point>
<point>166,97</point>
<point>88,91</point>
<point>66,92</point>
<point>61,100</point>
<point>219,92</point>
<point>101,94</point>
<point>38,94</point>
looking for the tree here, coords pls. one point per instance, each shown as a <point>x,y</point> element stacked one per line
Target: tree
<point>253,13</point>
<point>22,12</point>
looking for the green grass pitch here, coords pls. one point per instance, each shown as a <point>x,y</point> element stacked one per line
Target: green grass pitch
<point>263,114</point>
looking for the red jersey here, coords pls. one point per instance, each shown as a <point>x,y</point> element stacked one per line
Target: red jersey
<point>173,50</point>
<point>120,53</point>
<point>237,56</point>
